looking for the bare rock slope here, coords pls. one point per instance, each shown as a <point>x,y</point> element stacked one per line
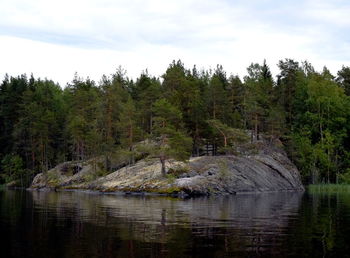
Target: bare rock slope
<point>269,169</point>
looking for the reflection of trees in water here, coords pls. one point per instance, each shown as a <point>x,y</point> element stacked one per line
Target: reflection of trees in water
<point>323,226</point>
<point>75,224</point>
<point>254,221</point>
<point>145,226</point>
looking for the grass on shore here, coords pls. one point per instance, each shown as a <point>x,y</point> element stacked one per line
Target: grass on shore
<point>329,188</point>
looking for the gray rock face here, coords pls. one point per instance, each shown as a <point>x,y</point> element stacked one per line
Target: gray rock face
<point>64,174</point>
<point>232,174</point>
<point>268,170</point>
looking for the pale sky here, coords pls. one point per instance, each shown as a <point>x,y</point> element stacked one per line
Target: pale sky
<point>55,39</point>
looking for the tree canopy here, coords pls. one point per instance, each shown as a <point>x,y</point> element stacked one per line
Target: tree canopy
<point>43,124</point>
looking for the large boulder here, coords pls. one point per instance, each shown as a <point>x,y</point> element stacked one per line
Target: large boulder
<point>67,173</point>
<point>266,169</point>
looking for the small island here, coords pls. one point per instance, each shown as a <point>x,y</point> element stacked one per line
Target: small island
<point>189,132</point>
<point>263,168</point>
<point>174,128</point>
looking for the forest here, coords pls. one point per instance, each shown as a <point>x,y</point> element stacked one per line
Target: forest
<point>43,124</point>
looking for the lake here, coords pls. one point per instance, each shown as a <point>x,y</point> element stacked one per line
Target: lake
<point>89,224</point>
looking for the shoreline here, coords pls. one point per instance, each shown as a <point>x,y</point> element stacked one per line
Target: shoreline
<point>175,195</point>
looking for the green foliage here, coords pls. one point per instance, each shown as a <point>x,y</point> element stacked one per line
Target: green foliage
<point>171,178</point>
<point>223,169</point>
<point>259,99</point>
<point>329,188</point>
<point>179,146</point>
<point>232,137</point>
<point>82,124</point>
<point>178,170</point>
<point>345,178</point>
<point>320,129</point>
<point>344,79</point>
<point>89,177</point>
<point>217,97</point>
<point>175,116</point>
<point>146,92</point>
<point>12,167</point>
<point>53,178</point>
<point>171,141</point>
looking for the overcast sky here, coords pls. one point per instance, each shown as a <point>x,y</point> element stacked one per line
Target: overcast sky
<point>55,39</point>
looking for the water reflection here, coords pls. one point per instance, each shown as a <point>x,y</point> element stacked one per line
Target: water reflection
<point>76,224</point>
<point>248,221</point>
<point>264,211</point>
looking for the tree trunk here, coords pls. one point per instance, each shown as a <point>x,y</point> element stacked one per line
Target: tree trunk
<point>32,152</point>
<point>320,119</point>
<point>42,155</point>
<point>109,120</point>
<point>195,141</point>
<point>150,124</point>
<point>107,163</point>
<point>82,152</point>
<point>329,160</point>
<point>143,126</point>
<point>162,161</point>
<point>214,110</point>
<point>256,127</point>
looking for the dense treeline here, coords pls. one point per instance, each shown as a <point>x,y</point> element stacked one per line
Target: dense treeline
<point>42,124</point>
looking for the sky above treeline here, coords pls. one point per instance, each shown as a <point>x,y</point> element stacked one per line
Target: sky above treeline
<point>55,39</point>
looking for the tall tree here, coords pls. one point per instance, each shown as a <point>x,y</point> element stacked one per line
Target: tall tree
<point>259,85</point>
<point>146,92</point>
<point>218,102</point>
<point>170,140</point>
<point>11,92</point>
<point>344,79</point>
<point>323,125</point>
<point>82,96</point>
<point>287,84</point>
<point>130,133</point>
<point>237,99</point>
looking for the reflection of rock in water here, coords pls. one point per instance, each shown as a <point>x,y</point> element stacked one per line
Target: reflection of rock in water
<point>254,220</point>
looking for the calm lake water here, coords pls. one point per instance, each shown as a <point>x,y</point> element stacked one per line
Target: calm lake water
<point>81,224</point>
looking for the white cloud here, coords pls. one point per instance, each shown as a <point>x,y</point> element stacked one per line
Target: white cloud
<point>57,38</point>
<point>330,12</point>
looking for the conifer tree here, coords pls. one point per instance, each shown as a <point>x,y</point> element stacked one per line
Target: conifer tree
<point>344,79</point>
<point>130,133</point>
<point>146,92</point>
<point>259,85</point>
<point>170,140</point>
<point>83,102</point>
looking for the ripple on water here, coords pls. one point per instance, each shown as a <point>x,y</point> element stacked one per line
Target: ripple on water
<point>88,224</point>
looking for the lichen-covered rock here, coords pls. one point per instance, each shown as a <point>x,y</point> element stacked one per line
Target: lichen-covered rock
<point>232,174</point>
<point>269,169</point>
<point>66,173</point>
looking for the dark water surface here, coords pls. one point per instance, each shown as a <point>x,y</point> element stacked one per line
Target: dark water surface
<point>79,224</point>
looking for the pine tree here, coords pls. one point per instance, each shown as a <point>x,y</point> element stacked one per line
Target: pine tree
<point>232,137</point>
<point>130,133</point>
<point>218,103</point>
<point>237,98</point>
<point>258,102</point>
<point>287,84</point>
<point>344,79</point>
<point>83,99</point>
<point>146,92</point>
<point>170,140</point>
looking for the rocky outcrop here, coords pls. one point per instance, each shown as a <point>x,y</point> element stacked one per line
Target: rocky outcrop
<point>266,170</point>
